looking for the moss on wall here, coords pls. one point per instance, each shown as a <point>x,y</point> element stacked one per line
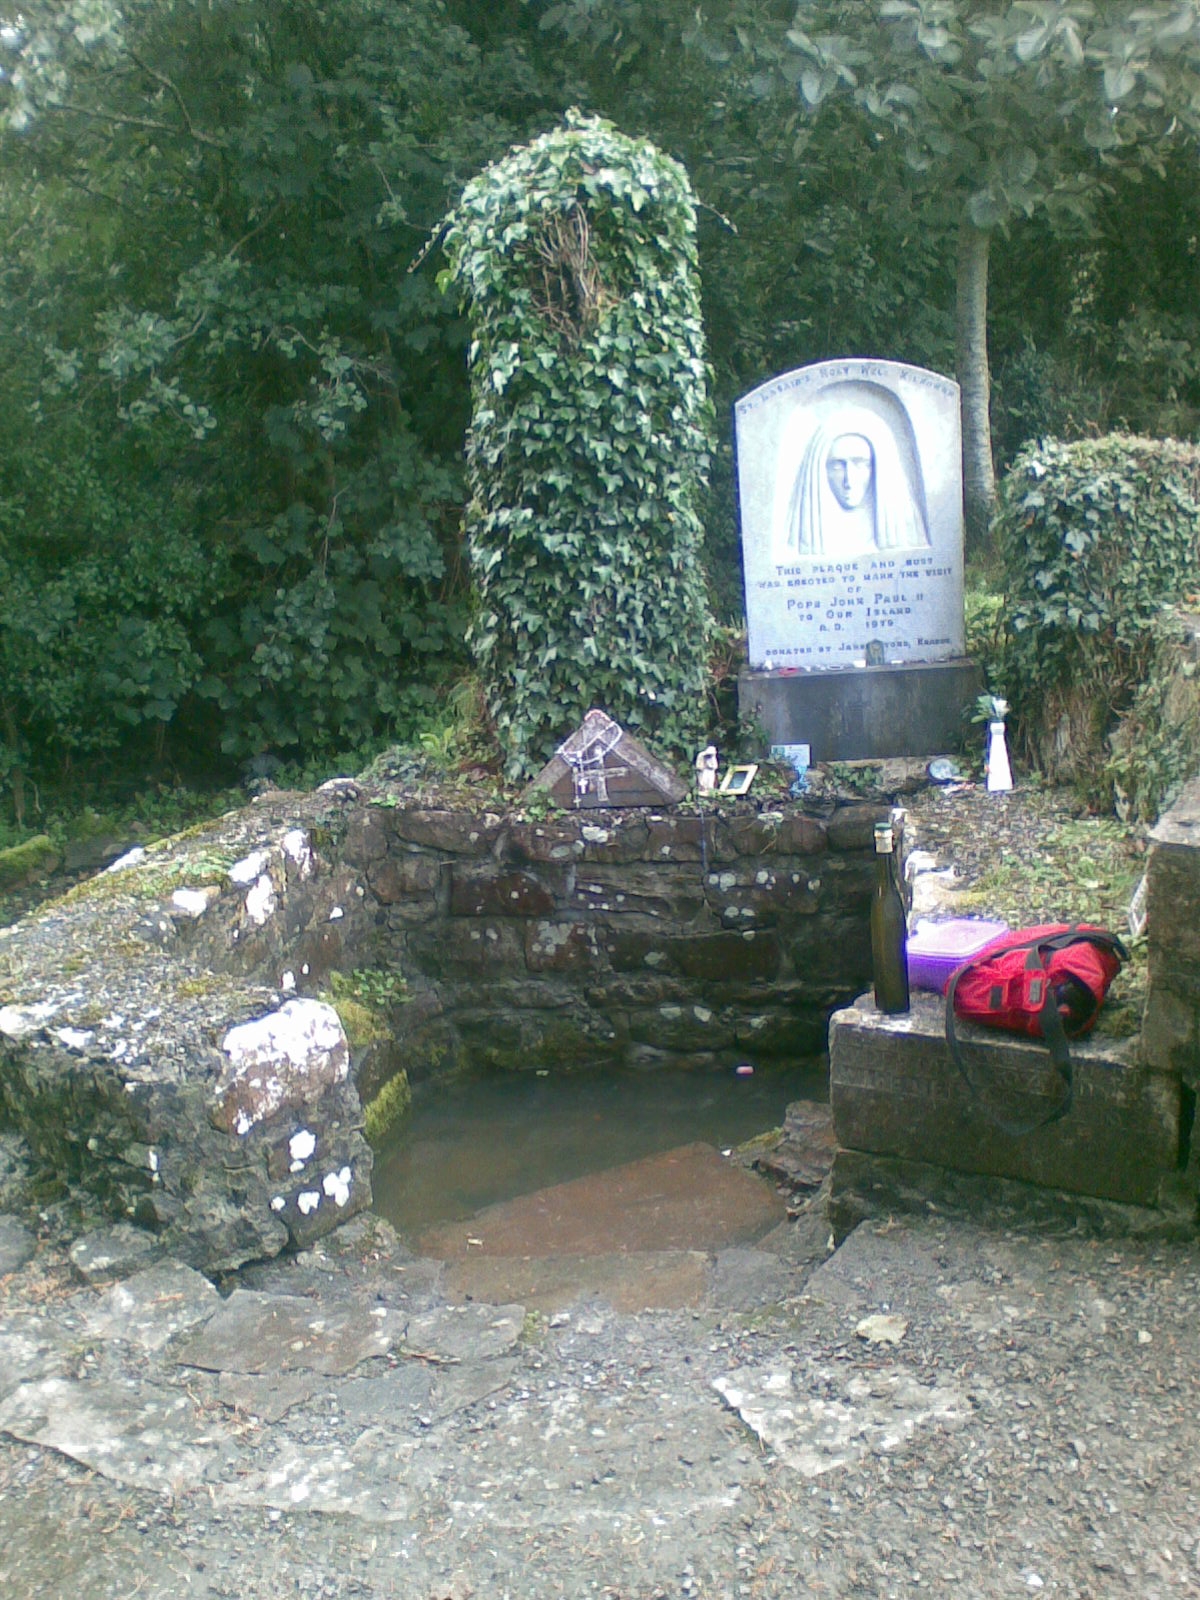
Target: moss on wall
<point>390,1106</point>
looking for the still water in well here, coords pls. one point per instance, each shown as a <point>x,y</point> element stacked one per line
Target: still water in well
<point>485,1139</point>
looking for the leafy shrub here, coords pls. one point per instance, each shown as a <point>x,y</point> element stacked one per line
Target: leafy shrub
<point>1035,394</point>
<point>1155,747</point>
<point>103,584</point>
<point>590,437</point>
<point>1098,537</point>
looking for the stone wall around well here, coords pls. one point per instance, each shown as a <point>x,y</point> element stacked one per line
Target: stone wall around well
<point>1170,1038</point>
<point>640,940</point>
<point>168,1044</point>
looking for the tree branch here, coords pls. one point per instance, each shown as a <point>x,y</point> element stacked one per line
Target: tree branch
<point>148,123</point>
<point>169,85</point>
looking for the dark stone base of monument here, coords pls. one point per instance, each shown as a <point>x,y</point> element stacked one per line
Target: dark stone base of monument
<point>895,1091</point>
<point>855,714</point>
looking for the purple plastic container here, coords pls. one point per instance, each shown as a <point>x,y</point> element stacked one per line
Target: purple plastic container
<point>936,948</point>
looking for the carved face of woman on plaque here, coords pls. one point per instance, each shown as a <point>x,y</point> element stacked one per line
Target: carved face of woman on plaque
<point>851,493</point>
<point>850,467</point>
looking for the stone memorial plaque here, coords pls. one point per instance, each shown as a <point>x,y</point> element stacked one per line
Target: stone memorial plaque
<point>850,482</point>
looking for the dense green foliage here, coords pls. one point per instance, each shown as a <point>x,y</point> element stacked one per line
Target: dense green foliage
<point>1155,747</point>
<point>1001,113</point>
<point>231,481</point>
<point>1099,538</point>
<point>231,441</point>
<point>590,438</point>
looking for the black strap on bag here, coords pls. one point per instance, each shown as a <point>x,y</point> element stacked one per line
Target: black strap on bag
<point>1048,1018</point>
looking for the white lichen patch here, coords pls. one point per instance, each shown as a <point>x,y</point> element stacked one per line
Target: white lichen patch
<point>194,902</point>
<point>246,871</point>
<point>287,982</point>
<point>74,1038</point>
<point>301,1146</point>
<point>337,1186</point>
<point>298,851</point>
<point>15,1021</point>
<point>261,902</point>
<point>308,1201</point>
<point>288,1055</point>
<point>278,1203</point>
<point>336,914</point>
<point>129,859</point>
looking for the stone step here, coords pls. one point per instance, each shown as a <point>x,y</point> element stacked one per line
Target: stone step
<point>639,1280</point>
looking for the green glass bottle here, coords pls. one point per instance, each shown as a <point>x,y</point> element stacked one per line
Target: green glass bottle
<point>889,929</point>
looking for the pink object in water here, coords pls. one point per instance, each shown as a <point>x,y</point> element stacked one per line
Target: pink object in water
<point>936,948</point>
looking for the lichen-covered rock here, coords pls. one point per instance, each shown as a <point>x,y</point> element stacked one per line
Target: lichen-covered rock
<point>152,1056</point>
<point>286,1058</point>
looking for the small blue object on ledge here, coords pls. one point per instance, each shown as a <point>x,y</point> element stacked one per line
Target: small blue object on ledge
<point>798,756</point>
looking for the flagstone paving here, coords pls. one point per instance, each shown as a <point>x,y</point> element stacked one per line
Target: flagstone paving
<point>937,1405</point>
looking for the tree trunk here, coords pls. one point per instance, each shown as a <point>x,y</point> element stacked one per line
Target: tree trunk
<point>979,475</point>
<point>16,777</point>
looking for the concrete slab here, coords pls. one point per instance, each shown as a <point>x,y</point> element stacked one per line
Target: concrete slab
<point>149,1436</point>
<point>153,1307</point>
<point>285,1333</point>
<point>816,1420</point>
<point>895,1091</point>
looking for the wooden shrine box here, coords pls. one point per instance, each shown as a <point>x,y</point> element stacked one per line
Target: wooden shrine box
<point>603,765</point>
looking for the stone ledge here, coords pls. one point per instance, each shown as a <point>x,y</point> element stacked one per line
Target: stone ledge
<point>863,1186</point>
<point>895,1091</point>
<point>590,939</point>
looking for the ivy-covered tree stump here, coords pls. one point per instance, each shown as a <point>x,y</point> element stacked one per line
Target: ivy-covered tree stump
<point>589,446</point>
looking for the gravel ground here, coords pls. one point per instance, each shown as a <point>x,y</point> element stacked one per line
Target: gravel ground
<point>1034,855</point>
<point>1033,1429</point>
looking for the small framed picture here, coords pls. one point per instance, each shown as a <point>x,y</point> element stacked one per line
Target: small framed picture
<point>738,779</point>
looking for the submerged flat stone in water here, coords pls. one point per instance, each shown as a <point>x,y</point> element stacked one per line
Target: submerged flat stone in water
<point>684,1199</point>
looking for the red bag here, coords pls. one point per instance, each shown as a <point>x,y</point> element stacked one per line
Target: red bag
<point>1049,981</point>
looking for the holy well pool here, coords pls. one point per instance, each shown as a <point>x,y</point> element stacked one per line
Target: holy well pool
<point>492,1137</point>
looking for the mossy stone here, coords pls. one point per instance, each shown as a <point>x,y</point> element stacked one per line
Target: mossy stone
<point>390,1106</point>
<point>22,863</point>
<point>362,1023</point>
